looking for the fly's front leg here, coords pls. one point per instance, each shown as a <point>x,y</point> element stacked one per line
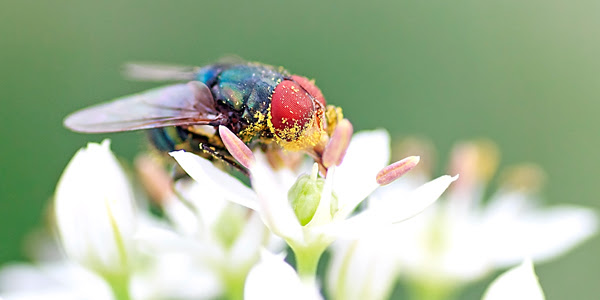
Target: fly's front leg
<point>224,157</point>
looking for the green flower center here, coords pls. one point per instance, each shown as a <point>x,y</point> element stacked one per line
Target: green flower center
<point>304,197</point>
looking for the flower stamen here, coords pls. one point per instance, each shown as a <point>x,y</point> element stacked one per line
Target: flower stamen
<point>236,147</point>
<point>394,171</point>
<point>338,144</point>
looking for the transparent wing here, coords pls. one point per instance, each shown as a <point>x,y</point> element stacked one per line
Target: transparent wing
<point>174,105</point>
<point>145,71</point>
<point>232,59</point>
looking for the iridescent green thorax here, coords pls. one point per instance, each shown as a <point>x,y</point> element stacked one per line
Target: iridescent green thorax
<point>243,93</point>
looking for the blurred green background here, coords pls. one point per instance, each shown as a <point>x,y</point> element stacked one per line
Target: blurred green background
<point>523,73</point>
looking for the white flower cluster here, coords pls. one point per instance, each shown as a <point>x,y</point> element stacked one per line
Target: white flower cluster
<point>217,237</point>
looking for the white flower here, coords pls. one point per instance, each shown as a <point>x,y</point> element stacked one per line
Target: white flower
<point>175,275</point>
<point>342,191</point>
<point>94,211</point>
<point>347,186</point>
<point>202,248</point>
<point>460,239</point>
<point>272,278</point>
<point>518,283</point>
<point>58,280</point>
<point>97,224</point>
<point>457,240</point>
<point>210,242</point>
<point>364,268</point>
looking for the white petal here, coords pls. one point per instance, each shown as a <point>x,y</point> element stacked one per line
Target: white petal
<point>385,214</point>
<point>439,248</point>
<point>211,177</point>
<point>207,204</point>
<point>355,178</point>
<point>323,213</point>
<point>94,209</point>
<point>398,210</point>
<point>59,280</point>
<point>364,268</point>
<point>247,245</point>
<point>398,189</point>
<point>152,240</point>
<point>275,209</point>
<point>272,278</point>
<point>176,276</point>
<point>182,217</point>
<point>519,229</point>
<point>517,283</point>
<point>355,227</point>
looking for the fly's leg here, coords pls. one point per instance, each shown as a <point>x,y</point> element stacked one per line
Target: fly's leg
<point>226,158</point>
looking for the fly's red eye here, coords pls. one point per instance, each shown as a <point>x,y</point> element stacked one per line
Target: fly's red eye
<point>292,109</point>
<point>311,88</point>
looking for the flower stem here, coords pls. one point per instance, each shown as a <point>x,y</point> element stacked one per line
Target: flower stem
<point>119,286</point>
<point>431,291</point>
<point>307,264</point>
<point>307,261</point>
<point>234,285</point>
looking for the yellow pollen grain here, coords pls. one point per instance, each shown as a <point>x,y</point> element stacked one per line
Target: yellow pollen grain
<point>255,129</point>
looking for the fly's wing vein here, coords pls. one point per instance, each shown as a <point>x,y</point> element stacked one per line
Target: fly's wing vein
<point>173,105</point>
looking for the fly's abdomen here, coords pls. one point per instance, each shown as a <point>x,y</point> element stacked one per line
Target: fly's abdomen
<point>168,138</point>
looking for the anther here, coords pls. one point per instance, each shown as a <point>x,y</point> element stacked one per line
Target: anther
<point>394,171</point>
<point>338,144</point>
<point>236,147</point>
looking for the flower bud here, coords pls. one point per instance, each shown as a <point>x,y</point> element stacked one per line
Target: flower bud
<point>305,195</point>
<point>94,210</point>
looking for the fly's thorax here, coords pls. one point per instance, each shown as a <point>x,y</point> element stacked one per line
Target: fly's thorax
<point>246,87</point>
<point>243,94</point>
<point>209,74</point>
